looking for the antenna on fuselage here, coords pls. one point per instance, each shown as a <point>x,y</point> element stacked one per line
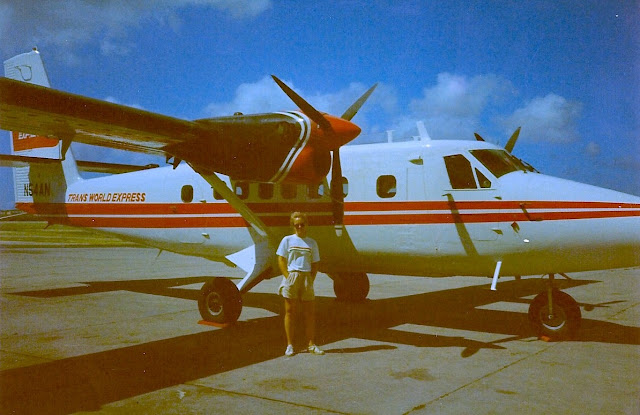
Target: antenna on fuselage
<point>423,135</point>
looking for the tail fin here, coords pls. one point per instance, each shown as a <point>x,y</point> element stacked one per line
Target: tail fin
<point>38,182</point>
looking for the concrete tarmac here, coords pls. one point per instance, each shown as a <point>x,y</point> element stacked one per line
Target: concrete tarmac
<point>114,330</point>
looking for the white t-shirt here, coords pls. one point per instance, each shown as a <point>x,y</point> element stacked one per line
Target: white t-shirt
<point>299,252</point>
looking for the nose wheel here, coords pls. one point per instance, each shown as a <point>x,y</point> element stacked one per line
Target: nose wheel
<point>220,301</point>
<point>555,314</point>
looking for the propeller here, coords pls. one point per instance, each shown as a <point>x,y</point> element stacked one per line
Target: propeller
<point>337,192</point>
<point>510,144</point>
<point>355,107</point>
<point>304,106</point>
<point>335,131</point>
<point>512,140</point>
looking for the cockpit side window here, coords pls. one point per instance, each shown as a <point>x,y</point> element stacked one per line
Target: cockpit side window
<point>523,165</point>
<point>482,179</point>
<point>498,162</point>
<point>460,173</point>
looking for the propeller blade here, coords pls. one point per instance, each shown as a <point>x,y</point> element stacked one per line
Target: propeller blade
<point>337,131</point>
<point>304,106</point>
<point>355,107</point>
<point>337,193</point>
<point>512,140</point>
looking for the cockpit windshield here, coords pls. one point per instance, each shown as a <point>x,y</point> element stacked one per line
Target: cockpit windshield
<point>500,162</point>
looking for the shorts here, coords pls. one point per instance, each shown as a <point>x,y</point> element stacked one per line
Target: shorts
<point>298,286</point>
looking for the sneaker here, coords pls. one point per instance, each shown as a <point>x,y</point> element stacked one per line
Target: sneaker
<point>289,351</point>
<point>313,349</point>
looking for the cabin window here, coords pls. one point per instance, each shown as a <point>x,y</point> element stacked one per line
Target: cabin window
<point>241,189</point>
<point>386,186</point>
<point>288,190</point>
<point>460,173</point>
<point>345,187</point>
<point>315,191</point>
<point>265,190</point>
<point>186,193</point>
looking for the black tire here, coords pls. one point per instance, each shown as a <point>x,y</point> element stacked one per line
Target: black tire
<point>565,321</point>
<point>220,301</point>
<point>351,287</point>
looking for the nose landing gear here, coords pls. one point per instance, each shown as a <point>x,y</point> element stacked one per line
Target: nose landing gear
<point>554,314</point>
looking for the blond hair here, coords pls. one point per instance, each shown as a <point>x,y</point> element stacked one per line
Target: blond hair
<point>298,215</point>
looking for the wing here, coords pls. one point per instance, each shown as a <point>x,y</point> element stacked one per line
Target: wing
<point>261,147</point>
<point>43,111</point>
<point>7,160</point>
<point>272,147</point>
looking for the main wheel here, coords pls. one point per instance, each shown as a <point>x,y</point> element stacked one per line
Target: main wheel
<point>220,301</point>
<point>351,286</point>
<point>562,322</point>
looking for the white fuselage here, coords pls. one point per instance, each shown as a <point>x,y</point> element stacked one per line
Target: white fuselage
<point>404,214</point>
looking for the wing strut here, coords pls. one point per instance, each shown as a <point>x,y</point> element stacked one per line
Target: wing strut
<point>224,191</point>
<point>258,258</point>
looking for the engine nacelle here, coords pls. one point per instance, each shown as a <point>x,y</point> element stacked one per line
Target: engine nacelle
<point>273,147</point>
<point>311,166</point>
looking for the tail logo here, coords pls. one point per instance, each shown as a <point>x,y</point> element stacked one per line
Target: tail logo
<point>23,141</point>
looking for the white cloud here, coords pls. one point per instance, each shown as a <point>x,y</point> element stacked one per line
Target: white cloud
<point>6,15</point>
<point>551,118</point>
<point>265,96</point>
<point>74,23</point>
<point>592,149</point>
<point>238,9</point>
<point>452,109</point>
<point>252,98</point>
<point>459,96</point>
<point>109,47</point>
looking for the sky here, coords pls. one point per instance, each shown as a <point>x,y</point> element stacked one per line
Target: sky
<point>567,72</point>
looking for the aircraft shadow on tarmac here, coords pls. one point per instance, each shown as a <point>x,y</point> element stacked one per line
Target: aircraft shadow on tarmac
<point>87,382</point>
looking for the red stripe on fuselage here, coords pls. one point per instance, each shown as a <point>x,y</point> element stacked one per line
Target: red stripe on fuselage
<point>212,215</point>
<point>310,207</point>
<point>477,205</point>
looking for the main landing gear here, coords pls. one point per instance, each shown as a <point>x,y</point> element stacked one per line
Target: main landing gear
<point>220,301</point>
<point>554,314</point>
<point>352,286</point>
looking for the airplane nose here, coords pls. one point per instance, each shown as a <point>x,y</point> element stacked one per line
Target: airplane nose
<point>344,130</point>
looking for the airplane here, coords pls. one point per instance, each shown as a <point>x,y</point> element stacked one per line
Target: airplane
<point>433,208</point>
